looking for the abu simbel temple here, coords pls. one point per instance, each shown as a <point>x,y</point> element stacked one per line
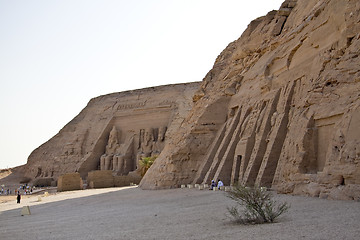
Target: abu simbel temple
<point>280,108</point>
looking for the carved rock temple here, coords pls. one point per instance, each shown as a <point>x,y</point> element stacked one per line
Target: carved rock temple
<point>280,108</point>
<point>113,132</point>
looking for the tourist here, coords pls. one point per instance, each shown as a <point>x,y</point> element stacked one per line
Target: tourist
<point>213,184</point>
<point>220,184</point>
<point>18,197</point>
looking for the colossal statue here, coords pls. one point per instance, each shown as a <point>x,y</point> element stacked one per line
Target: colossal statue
<point>117,157</point>
<point>121,164</point>
<point>146,144</point>
<point>106,160</point>
<point>120,158</point>
<point>159,144</point>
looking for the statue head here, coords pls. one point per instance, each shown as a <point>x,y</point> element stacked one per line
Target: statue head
<point>113,136</point>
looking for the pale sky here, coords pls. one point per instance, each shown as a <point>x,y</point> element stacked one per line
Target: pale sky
<point>57,55</point>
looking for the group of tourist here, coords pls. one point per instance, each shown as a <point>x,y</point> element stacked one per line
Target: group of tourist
<point>214,184</point>
<point>21,190</point>
<point>25,189</point>
<point>5,192</point>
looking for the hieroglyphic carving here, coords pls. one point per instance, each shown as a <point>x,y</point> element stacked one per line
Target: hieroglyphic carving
<point>131,106</point>
<point>167,103</point>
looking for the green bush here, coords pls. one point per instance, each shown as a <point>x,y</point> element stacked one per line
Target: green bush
<point>145,163</point>
<point>258,205</point>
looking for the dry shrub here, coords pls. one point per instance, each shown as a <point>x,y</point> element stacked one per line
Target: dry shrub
<point>258,205</point>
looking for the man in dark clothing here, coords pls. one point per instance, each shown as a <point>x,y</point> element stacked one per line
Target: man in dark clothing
<point>18,197</point>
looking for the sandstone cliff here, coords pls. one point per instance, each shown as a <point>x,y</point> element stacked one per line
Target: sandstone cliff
<point>113,131</point>
<point>280,107</point>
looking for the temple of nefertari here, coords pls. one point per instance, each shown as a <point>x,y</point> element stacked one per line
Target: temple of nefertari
<point>280,108</point>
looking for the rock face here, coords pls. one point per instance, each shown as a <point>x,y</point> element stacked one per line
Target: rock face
<point>280,108</point>
<point>113,131</point>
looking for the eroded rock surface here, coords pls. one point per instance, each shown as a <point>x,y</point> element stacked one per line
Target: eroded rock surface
<point>280,108</point>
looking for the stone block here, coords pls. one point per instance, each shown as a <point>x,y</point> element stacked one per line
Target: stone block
<point>69,182</point>
<point>121,181</point>
<point>128,180</point>
<point>338,193</point>
<point>183,186</point>
<point>100,179</point>
<point>25,211</point>
<point>200,187</point>
<point>311,189</point>
<point>190,186</point>
<point>227,188</point>
<point>333,179</point>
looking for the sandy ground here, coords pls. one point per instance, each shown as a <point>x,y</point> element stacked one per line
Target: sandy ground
<point>132,213</point>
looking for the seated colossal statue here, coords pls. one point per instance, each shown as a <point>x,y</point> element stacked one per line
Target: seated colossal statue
<point>146,145</point>
<point>159,144</point>
<point>106,160</point>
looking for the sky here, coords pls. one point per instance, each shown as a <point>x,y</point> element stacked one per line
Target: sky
<point>57,55</point>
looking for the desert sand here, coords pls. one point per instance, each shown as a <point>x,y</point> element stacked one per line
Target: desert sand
<point>132,213</point>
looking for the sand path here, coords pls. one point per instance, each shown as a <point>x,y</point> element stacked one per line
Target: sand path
<point>132,213</point>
